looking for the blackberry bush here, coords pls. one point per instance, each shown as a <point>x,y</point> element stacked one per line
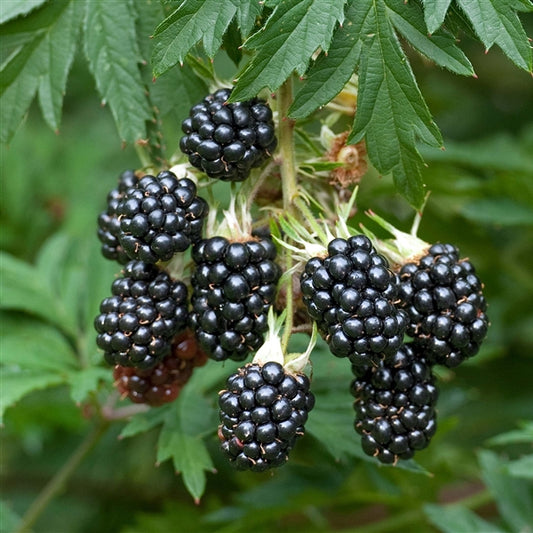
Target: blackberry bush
<point>262,413</point>
<point>108,221</point>
<point>227,140</point>
<point>159,217</point>
<point>350,293</point>
<point>395,405</point>
<point>234,285</point>
<point>162,383</point>
<point>137,323</point>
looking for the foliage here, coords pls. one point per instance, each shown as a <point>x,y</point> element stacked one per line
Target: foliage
<point>52,276</point>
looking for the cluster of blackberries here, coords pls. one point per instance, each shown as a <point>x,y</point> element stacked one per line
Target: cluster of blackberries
<point>262,413</point>
<point>234,285</point>
<point>227,140</point>
<point>163,382</point>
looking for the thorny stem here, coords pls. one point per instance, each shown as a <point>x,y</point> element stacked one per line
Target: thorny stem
<point>289,187</point>
<point>57,483</point>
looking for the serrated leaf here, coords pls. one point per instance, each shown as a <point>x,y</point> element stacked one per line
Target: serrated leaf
<point>521,468</point>
<point>454,518</point>
<point>331,71</point>
<point>293,32</point>
<point>181,439</point>
<point>17,382</point>
<point>496,22</point>
<point>32,344</point>
<point>113,54</point>
<point>143,422</point>
<point>247,13</point>
<point>513,497</point>
<point>86,381</point>
<point>391,112</point>
<point>15,8</point>
<point>440,47</point>
<point>41,63</point>
<point>191,22</point>
<point>23,288</point>
<point>434,13</point>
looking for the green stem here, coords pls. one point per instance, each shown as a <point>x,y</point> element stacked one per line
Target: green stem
<point>57,483</point>
<point>144,158</point>
<point>310,219</point>
<point>289,187</point>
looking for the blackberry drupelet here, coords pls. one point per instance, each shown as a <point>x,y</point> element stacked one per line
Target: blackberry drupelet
<point>137,323</point>
<point>160,216</point>
<point>162,383</point>
<point>227,140</point>
<point>262,414</point>
<point>350,294</point>
<point>395,405</point>
<point>108,222</point>
<point>444,300</point>
<point>234,285</point>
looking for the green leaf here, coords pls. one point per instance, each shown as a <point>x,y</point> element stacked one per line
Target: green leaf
<point>434,13</point>
<point>513,497</point>
<point>23,288</point>
<point>86,381</point>
<point>292,34</point>
<point>181,439</point>
<point>498,212</point>
<point>247,13</point>
<point>17,382</point>
<point>232,43</point>
<point>41,63</point>
<point>521,468</point>
<point>143,422</point>
<point>517,436</point>
<point>32,344</point>
<point>440,47</point>
<point>10,519</point>
<point>391,112</point>
<point>192,21</point>
<point>454,518</point>
<point>496,22</point>
<point>328,75</point>
<point>14,8</point>
<point>113,54</point>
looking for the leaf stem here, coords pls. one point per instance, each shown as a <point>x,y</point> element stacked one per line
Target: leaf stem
<point>289,187</point>
<point>56,484</point>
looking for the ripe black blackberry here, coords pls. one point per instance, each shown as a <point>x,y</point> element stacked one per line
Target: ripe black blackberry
<point>137,323</point>
<point>262,414</point>
<point>160,216</point>
<point>395,405</point>
<point>108,222</point>
<point>444,300</point>
<point>350,294</point>
<point>234,285</point>
<point>227,140</point>
<point>162,383</point>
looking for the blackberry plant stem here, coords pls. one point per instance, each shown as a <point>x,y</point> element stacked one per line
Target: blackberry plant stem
<point>289,187</point>
<point>57,483</point>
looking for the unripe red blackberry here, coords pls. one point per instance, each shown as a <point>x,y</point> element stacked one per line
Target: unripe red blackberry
<point>162,383</point>
<point>395,405</point>
<point>160,216</point>
<point>108,222</point>
<point>227,140</point>
<point>262,413</point>
<point>350,293</point>
<point>137,323</point>
<point>444,300</point>
<point>234,285</point>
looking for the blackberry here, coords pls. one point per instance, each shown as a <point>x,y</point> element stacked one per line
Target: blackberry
<point>262,414</point>
<point>162,383</point>
<point>227,140</point>
<point>350,294</point>
<point>137,323</point>
<point>108,222</point>
<point>234,285</point>
<point>160,216</point>
<point>395,405</point>
<point>444,300</point>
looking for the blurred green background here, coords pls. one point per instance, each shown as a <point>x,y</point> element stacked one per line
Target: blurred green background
<point>481,199</point>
